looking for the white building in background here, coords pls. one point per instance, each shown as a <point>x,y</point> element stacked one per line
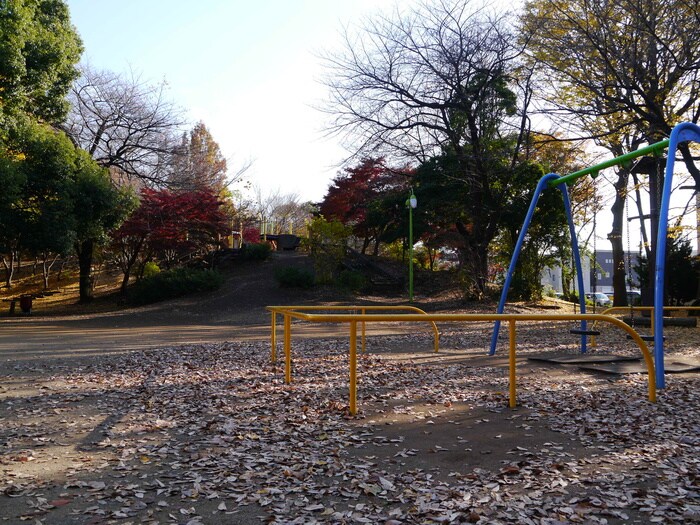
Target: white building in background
<point>552,277</point>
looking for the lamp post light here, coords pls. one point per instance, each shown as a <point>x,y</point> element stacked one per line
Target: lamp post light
<point>411,204</point>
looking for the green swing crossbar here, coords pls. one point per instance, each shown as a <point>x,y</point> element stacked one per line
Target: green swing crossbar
<point>617,161</point>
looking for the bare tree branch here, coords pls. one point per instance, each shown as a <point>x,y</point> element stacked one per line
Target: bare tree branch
<point>124,123</point>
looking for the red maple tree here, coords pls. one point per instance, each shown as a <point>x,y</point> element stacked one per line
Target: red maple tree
<point>359,195</point>
<point>168,225</point>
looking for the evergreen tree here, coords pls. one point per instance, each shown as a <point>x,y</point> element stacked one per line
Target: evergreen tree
<point>39,50</point>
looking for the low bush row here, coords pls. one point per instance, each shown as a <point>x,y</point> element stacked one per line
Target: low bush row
<point>169,284</point>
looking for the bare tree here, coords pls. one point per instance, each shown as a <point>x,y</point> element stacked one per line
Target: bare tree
<point>125,123</point>
<point>280,213</point>
<point>400,80</point>
<point>439,79</point>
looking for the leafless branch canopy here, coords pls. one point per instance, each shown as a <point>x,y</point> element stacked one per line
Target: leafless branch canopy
<point>124,123</point>
<point>403,84</point>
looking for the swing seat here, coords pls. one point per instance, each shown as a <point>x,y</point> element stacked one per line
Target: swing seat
<point>645,337</point>
<point>578,331</point>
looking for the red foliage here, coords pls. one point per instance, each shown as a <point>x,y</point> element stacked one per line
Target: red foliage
<point>176,221</point>
<point>347,197</point>
<point>364,197</point>
<point>251,234</point>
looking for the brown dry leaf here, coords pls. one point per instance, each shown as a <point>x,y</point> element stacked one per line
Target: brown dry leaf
<point>179,426</point>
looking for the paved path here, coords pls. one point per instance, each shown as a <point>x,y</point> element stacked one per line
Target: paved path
<point>62,339</point>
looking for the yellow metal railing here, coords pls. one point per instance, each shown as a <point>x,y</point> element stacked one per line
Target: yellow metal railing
<point>289,312</point>
<point>279,310</point>
<point>633,309</point>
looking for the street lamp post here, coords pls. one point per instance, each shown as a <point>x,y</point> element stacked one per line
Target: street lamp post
<point>411,204</point>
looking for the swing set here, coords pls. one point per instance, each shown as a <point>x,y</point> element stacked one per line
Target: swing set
<point>685,132</point>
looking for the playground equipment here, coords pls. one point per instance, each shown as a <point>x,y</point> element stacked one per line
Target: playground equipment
<point>685,132</point>
<point>289,312</point>
<point>275,310</point>
<point>650,337</point>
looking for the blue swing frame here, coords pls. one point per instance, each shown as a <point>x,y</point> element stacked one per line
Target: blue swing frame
<point>685,132</point>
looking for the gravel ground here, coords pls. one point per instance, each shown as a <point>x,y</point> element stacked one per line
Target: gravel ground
<point>209,433</point>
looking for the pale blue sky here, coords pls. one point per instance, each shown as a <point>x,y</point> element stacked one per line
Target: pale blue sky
<point>246,68</point>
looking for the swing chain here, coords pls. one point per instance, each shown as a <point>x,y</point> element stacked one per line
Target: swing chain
<point>628,270</point>
<point>595,259</point>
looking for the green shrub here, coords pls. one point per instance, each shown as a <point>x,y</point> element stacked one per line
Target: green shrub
<point>352,280</point>
<point>291,277</point>
<point>256,251</point>
<point>326,243</point>
<point>150,269</point>
<point>174,283</point>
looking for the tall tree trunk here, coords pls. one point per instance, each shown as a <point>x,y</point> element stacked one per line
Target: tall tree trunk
<point>46,267</point>
<point>615,238</point>
<point>474,259</point>
<point>59,275</point>
<point>85,250</point>
<point>365,244</point>
<point>125,283</point>
<point>130,260</point>
<point>432,254</point>
<point>9,267</point>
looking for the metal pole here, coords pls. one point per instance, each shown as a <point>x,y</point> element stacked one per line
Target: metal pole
<point>512,397</point>
<point>363,312</point>
<point>411,203</point>
<point>353,367</point>
<point>273,338</point>
<point>410,254</point>
<point>287,349</point>
<point>680,133</point>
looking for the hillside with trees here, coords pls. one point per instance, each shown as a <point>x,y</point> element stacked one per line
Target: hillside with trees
<point>450,90</point>
<point>97,166</point>
<point>458,104</point>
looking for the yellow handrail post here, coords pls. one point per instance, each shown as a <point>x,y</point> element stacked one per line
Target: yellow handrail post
<point>353,367</point>
<point>511,362</point>
<point>273,336</point>
<point>363,312</point>
<point>287,348</point>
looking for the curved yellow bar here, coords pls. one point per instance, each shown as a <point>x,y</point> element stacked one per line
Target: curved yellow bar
<point>274,310</point>
<point>626,309</point>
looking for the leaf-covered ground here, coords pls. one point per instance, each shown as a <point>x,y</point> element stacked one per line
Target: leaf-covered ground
<point>211,434</point>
